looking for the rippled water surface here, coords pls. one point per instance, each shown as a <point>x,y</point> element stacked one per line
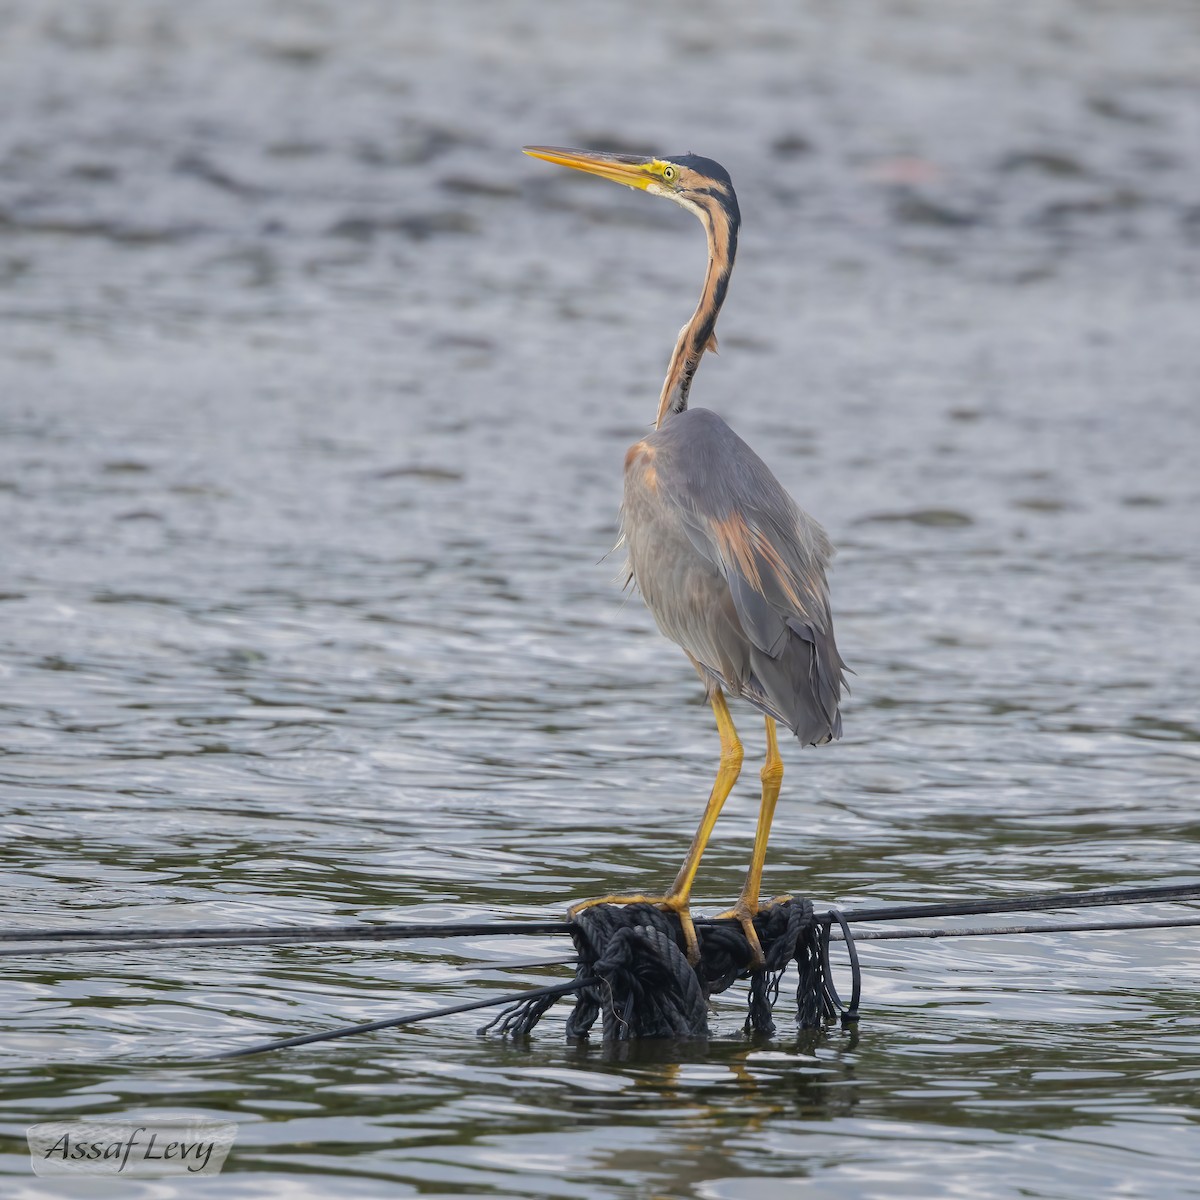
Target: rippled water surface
<point>314,395</point>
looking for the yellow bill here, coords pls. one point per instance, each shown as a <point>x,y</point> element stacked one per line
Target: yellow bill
<point>630,169</point>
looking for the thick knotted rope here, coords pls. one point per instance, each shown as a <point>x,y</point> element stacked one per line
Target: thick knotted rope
<point>633,972</point>
<point>645,987</point>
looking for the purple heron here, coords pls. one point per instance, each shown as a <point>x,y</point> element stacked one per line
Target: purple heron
<point>732,569</point>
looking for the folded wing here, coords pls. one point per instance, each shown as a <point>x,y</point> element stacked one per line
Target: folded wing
<point>773,558</point>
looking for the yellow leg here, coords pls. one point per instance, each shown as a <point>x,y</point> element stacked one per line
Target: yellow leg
<point>676,900</point>
<point>747,906</point>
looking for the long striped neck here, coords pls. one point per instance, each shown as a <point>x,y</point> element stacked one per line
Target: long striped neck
<point>699,333</point>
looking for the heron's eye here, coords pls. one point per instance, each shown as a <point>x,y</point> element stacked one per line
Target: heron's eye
<point>669,174</point>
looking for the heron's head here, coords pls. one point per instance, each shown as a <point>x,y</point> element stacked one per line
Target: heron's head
<point>697,184</point>
<point>702,187</point>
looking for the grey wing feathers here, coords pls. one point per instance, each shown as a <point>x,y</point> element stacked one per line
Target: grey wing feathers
<point>773,559</point>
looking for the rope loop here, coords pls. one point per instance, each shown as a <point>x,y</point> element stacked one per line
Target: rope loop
<point>833,1006</point>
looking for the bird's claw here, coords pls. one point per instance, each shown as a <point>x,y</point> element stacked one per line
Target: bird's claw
<point>676,904</point>
<point>744,913</point>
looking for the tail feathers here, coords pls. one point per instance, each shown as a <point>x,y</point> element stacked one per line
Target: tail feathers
<point>802,687</point>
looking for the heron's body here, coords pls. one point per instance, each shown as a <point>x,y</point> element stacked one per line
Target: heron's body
<point>741,589</point>
<point>731,568</point>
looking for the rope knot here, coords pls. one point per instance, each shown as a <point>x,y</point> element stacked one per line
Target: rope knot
<point>634,974</point>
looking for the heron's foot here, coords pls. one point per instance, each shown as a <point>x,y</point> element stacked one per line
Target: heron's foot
<point>744,912</point>
<point>676,903</point>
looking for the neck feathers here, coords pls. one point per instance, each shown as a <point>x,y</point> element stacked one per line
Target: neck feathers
<point>699,333</point>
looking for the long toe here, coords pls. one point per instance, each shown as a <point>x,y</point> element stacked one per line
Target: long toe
<point>637,898</point>
<point>758,959</point>
<point>672,903</point>
<point>744,915</point>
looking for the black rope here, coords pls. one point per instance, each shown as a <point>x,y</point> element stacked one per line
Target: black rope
<point>175,937</point>
<point>791,932</point>
<point>515,964</point>
<point>1028,903</point>
<point>25,951</point>
<point>550,994</point>
<point>632,971</point>
<point>896,935</point>
<point>642,985</point>
<point>848,1012</point>
<point>631,967</point>
<point>518,1020</point>
<point>385,931</point>
<point>133,944</point>
<point>817,998</point>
